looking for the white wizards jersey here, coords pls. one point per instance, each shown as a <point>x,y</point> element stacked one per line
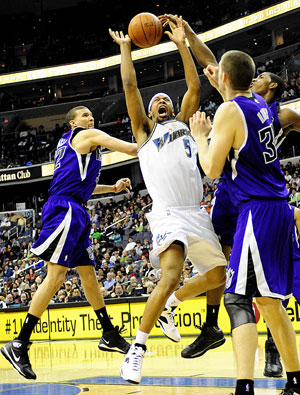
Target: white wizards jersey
<point>168,161</point>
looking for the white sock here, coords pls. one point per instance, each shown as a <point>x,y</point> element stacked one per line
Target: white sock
<point>141,337</point>
<point>173,301</point>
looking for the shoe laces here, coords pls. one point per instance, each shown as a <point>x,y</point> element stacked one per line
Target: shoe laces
<point>200,327</point>
<point>138,355</point>
<point>24,355</point>
<point>121,330</point>
<point>170,314</point>
<point>273,357</point>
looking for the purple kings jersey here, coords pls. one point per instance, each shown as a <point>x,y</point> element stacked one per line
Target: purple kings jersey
<point>75,175</point>
<point>254,171</point>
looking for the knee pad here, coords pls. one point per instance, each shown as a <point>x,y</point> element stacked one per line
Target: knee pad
<point>239,309</point>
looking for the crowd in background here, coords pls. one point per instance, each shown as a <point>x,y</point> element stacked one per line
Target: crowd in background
<point>43,37</point>
<point>121,241</point>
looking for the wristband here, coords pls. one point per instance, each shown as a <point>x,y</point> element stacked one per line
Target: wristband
<point>115,188</point>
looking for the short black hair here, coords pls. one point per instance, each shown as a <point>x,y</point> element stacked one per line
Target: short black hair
<point>240,68</point>
<point>280,85</point>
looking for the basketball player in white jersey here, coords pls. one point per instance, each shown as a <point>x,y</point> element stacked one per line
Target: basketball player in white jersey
<point>168,160</point>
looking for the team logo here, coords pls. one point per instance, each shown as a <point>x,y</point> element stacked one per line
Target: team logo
<point>161,238</point>
<point>90,252</point>
<point>229,276</point>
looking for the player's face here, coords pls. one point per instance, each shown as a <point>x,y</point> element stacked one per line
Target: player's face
<point>161,109</point>
<point>261,83</point>
<point>84,118</point>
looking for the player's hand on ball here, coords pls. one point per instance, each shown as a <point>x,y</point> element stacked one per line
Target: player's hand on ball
<point>177,34</point>
<point>200,125</point>
<point>119,37</point>
<point>123,184</point>
<point>166,18</point>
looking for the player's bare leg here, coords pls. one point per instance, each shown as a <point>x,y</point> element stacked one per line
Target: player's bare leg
<point>282,331</point>
<point>171,262</point>
<point>244,351</point>
<point>54,279</point>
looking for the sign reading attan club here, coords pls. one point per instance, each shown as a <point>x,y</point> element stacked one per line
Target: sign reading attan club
<point>18,174</point>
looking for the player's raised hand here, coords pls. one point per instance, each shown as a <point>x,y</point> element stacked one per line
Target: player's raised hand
<point>212,73</point>
<point>200,125</point>
<point>177,34</point>
<point>123,184</point>
<point>166,18</point>
<point>119,37</point>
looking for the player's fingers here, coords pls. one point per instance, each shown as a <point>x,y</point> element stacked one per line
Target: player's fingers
<point>169,34</point>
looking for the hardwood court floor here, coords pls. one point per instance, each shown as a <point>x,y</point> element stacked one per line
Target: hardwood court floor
<point>72,367</point>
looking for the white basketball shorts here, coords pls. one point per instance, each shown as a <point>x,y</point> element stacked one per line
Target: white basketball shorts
<point>193,227</point>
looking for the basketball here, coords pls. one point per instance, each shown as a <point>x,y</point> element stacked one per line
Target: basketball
<point>145,30</point>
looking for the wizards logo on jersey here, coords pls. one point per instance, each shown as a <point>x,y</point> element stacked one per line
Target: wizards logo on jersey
<point>160,141</point>
<point>170,136</point>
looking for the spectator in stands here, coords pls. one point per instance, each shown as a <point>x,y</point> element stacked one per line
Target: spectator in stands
<point>21,224</point>
<point>150,287</point>
<point>23,299</point>
<point>119,292</point>
<point>75,296</point>
<point>132,286</point>
<point>61,296</point>
<point>130,244</point>
<point>75,281</point>
<point>294,198</point>
<point>16,294</point>
<point>295,179</point>
<point>138,226</point>
<point>2,300</point>
<point>128,222</point>
<point>116,237</point>
<point>31,275</point>
<point>121,277</point>
<point>110,282</point>
<point>7,272</point>
<point>138,248</point>
<point>104,293</point>
<point>10,302</point>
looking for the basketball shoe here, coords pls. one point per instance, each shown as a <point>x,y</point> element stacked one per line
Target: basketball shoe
<point>289,390</point>
<point>209,338</point>
<point>166,323</point>
<point>113,341</point>
<point>273,367</point>
<point>16,352</point>
<point>131,370</point>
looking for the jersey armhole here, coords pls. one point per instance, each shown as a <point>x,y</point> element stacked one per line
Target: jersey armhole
<point>148,137</point>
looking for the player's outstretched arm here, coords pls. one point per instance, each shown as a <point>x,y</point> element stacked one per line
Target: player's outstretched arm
<point>139,121</point>
<point>123,184</point>
<point>190,102</point>
<point>202,53</point>
<point>289,120</point>
<point>87,141</point>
